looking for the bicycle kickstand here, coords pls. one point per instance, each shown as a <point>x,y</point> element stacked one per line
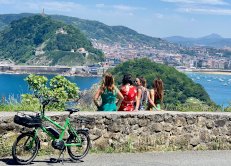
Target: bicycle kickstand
<point>58,160</point>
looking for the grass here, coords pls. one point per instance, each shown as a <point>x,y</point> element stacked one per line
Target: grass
<point>6,142</point>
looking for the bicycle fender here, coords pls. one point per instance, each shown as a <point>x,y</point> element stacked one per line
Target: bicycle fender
<point>86,130</point>
<point>33,132</point>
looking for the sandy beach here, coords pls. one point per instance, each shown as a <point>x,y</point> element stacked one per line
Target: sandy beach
<point>207,71</point>
<point>218,72</point>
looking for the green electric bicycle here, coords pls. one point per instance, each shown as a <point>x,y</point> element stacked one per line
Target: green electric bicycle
<point>27,144</point>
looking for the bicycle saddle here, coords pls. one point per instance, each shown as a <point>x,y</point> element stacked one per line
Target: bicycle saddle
<point>72,110</point>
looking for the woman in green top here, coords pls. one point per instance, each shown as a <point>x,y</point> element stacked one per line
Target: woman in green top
<point>109,95</point>
<point>157,94</point>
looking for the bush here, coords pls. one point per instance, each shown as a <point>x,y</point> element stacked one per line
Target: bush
<point>58,87</point>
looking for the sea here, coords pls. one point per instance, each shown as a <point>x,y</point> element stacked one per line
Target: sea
<point>218,86</point>
<point>13,85</point>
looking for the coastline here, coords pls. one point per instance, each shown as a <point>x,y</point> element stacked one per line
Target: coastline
<point>52,70</point>
<point>51,73</point>
<point>209,71</point>
<point>219,73</point>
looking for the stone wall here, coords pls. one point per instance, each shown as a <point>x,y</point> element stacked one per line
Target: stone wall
<point>147,131</point>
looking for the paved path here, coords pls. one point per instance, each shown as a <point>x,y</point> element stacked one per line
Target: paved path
<point>192,158</point>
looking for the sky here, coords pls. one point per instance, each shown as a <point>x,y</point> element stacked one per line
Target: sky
<point>157,18</point>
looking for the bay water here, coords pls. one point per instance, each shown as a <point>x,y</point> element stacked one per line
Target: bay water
<point>218,86</point>
<point>13,85</point>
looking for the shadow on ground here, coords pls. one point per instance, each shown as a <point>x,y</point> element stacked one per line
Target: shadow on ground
<point>10,161</point>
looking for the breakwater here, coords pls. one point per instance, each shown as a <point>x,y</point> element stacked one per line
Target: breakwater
<point>148,131</point>
<point>65,70</point>
<point>34,69</point>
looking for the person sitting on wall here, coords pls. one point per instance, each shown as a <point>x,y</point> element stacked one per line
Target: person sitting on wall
<point>157,94</point>
<point>109,94</point>
<point>142,94</point>
<point>129,92</point>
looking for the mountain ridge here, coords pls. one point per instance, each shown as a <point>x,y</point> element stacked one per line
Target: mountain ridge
<point>211,40</point>
<point>99,31</point>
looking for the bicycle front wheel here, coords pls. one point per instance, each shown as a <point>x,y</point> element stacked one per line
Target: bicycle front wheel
<point>25,148</point>
<point>78,152</point>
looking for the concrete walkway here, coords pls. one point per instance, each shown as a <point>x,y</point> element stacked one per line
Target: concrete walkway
<point>190,158</point>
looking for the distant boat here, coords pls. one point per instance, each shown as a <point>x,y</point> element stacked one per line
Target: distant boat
<point>208,80</point>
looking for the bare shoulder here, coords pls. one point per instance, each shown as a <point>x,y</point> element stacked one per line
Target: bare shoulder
<point>116,89</point>
<point>152,91</point>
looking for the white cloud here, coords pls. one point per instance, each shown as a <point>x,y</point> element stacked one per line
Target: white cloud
<point>211,11</point>
<point>208,2</point>
<point>127,8</point>
<point>55,5</point>
<point>100,5</point>
<point>37,5</point>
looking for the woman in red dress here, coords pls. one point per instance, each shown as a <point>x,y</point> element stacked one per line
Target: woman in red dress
<point>129,92</point>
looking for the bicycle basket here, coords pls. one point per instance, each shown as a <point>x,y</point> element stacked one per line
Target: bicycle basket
<point>26,120</point>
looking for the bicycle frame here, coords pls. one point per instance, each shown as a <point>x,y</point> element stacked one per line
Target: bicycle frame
<point>63,129</point>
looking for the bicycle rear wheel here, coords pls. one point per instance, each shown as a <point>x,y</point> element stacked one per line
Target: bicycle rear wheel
<point>25,148</point>
<point>78,152</point>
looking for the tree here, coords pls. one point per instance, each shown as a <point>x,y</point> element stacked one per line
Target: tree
<point>58,87</point>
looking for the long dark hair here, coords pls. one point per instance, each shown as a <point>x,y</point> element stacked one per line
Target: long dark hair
<point>143,81</point>
<point>108,82</point>
<point>158,86</point>
<point>127,79</point>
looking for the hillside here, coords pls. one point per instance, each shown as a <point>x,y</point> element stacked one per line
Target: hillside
<point>123,37</point>
<point>178,87</point>
<point>39,40</point>
<point>101,32</point>
<point>212,40</point>
<point>112,34</point>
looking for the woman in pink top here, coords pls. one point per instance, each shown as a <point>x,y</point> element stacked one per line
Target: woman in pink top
<point>129,92</point>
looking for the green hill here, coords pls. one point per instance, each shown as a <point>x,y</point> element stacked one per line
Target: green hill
<point>41,40</point>
<point>101,32</point>
<point>178,87</point>
<point>112,34</point>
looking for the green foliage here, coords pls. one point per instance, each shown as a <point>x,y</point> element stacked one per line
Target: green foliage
<point>23,37</point>
<point>28,103</point>
<point>37,83</point>
<point>227,108</point>
<point>112,34</point>
<point>193,105</point>
<point>59,88</point>
<point>178,87</point>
